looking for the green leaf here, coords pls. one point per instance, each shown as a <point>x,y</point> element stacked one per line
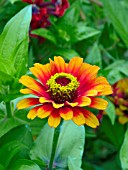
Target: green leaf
<point>83,32</point>
<point>24,164</point>
<point>6,67</point>
<point>71,164</point>
<point>124,69</point>
<point>14,41</point>
<point>74,33</point>
<point>8,124</point>
<point>2,111</point>
<point>114,71</point>
<point>66,53</point>
<point>124,152</point>
<point>13,1</point>
<point>118,16</point>
<point>15,145</point>
<point>70,144</point>
<point>114,133</point>
<point>45,33</point>
<point>94,56</point>
<point>111,111</point>
<point>1,167</point>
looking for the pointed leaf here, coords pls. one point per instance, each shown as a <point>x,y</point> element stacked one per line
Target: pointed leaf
<point>45,33</point>
<point>118,16</point>
<point>124,152</point>
<point>14,40</point>
<point>94,56</point>
<point>111,111</point>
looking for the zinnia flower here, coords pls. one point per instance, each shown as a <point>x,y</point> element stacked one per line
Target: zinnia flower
<point>120,99</point>
<point>63,90</point>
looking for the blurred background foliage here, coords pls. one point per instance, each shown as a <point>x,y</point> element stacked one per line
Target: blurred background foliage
<point>97,31</point>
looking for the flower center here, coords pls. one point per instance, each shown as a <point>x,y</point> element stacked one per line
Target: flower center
<point>63,87</point>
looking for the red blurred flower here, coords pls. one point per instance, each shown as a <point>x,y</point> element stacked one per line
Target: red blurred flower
<point>63,90</point>
<point>41,11</point>
<point>120,99</point>
<point>60,7</point>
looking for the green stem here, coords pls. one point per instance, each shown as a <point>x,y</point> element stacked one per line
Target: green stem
<point>8,109</point>
<point>54,145</point>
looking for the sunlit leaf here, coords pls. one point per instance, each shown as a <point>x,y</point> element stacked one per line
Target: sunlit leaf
<point>70,144</point>
<point>45,33</point>
<point>111,111</point>
<point>14,41</point>
<point>124,152</point>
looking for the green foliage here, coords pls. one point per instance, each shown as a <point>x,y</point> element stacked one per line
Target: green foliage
<point>13,51</point>
<point>118,16</point>
<point>111,111</point>
<point>97,32</point>
<point>15,144</point>
<point>24,164</point>
<point>114,136</point>
<point>8,124</point>
<point>123,152</point>
<point>68,152</point>
<point>94,56</point>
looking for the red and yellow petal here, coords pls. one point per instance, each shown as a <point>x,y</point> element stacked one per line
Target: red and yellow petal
<point>91,93</point>
<point>25,103</point>
<point>54,119</point>
<point>26,91</point>
<point>60,64</point>
<point>83,68</point>
<point>83,101</point>
<point>45,110</point>
<point>78,117</point>
<point>74,65</point>
<point>44,100</point>
<point>90,119</point>
<point>106,91</point>
<point>66,113</point>
<point>73,104</point>
<point>33,85</point>
<point>53,67</point>
<point>33,113</point>
<point>98,103</point>
<point>57,106</point>
<point>29,91</point>
<point>89,74</point>
<point>38,74</point>
<point>101,80</point>
<point>102,86</point>
<point>45,70</point>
